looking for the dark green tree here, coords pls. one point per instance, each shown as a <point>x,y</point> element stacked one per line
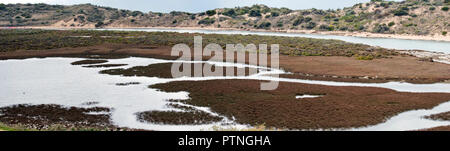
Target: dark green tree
<point>211,12</point>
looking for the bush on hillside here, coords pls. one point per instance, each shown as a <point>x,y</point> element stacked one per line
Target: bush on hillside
<point>400,12</point>
<point>99,24</point>
<point>136,13</point>
<point>298,21</point>
<point>211,12</point>
<point>445,8</point>
<point>229,12</point>
<point>255,13</point>
<point>2,7</point>
<point>381,28</point>
<point>310,25</point>
<point>264,25</point>
<point>391,24</point>
<point>207,21</point>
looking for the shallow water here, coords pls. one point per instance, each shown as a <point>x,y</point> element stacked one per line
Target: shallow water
<point>56,81</point>
<point>410,120</point>
<point>307,96</point>
<point>403,44</point>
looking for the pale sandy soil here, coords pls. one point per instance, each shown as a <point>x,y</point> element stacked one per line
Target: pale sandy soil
<point>436,56</point>
<point>376,35</point>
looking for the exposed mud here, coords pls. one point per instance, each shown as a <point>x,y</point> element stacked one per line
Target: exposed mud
<point>163,70</point>
<point>84,62</point>
<point>104,65</point>
<point>90,103</point>
<point>127,84</point>
<point>440,117</point>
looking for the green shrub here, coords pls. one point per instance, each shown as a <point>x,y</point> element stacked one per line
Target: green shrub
<point>445,8</point>
<point>359,27</point>
<point>381,28</point>
<point>255,13</point>
<point>280,24</point>
<point>229,12</point>
<point>400,12</point>
<point>265,25</point>
<point>410,24</point>
<point>391,24</point>
<point>2,6</point>
<point>99,24</point>
<point>274,14</point>
<point>96,17</point>
<point>207,21</point>
<point>136,13</point>
<point>385,5</point>
<point>308,19</point>
<point>362,57</point>
<point>343,28</point>
<point>444,33</point>
<point>26,15</point>
<point>310,25</point>
<point>432,8</point>
<point>298,21</point>
<point>285,10</point>
<point>176,13</point>
<point>211,12</point>
<point>349,18</point>
<point>326,27</point>
<point>242,11</point>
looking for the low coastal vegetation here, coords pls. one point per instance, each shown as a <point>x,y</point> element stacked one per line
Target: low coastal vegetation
<point>54,118</point>
<point>12,40</point>
<point>87,62</point>
<point>338,107</point>
<point>187,116</point>
<point>177,118</point>
<point>440,117</point>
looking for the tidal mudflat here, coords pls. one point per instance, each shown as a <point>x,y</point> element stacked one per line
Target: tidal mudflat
<point>155,103</point>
